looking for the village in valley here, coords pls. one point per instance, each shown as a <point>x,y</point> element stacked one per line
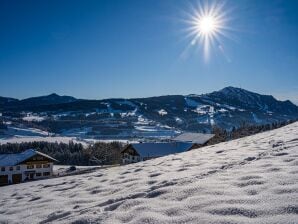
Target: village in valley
<point>33,165</point>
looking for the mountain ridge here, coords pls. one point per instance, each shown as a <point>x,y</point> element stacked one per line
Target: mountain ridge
<point>229,88</point>
<point>152,116</point>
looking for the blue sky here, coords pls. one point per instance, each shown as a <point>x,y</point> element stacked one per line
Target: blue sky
<point>115,48</point>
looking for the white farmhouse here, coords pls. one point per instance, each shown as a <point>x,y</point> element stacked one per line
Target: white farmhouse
<point>28,165</point>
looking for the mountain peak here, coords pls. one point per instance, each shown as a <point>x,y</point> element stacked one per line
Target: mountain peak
<point>53,98</point>
<point>233,90</point>
<point>54,95</point>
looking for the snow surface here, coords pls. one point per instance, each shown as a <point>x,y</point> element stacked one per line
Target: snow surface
<point>249,180</point>
<point>198,138</point>
<point>162,112</point>
<point>23,132</point>
<point>19,135</point>
<point>34,118</point>
<point>178,120</point>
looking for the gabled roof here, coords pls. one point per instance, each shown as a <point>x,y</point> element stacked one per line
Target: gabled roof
<point>195,138</point>
<point>17,158</point>
<point>161,149</point>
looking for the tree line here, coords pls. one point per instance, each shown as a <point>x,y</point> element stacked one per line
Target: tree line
<point>72,153</point>
<point>222,135</point>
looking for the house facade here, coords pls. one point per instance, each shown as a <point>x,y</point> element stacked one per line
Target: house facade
<point>144,151</point>
<point>130,155</point>
<point>25,166</point>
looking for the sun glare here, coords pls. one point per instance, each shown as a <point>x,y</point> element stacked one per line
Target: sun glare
<point>206,25</point>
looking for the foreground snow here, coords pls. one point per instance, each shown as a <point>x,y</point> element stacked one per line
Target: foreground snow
<point>250,180</point>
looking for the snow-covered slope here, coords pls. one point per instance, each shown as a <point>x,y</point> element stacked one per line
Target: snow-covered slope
<point>250,180</point>
<point>15,134</point>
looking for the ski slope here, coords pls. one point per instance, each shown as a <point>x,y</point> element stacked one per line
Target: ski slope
<point>249,180</point>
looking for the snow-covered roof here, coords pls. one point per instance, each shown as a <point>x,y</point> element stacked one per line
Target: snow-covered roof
<point>198,138</point>
<point>161,149</point>
<point>17,158</point>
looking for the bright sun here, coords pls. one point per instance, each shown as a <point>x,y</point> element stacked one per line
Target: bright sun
<point>207,24</point>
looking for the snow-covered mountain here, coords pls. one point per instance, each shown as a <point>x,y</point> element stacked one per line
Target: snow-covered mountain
<point>248,180</point>
<point>150,117</point>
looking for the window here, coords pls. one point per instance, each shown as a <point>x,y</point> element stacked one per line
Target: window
<point>11,168</point>
<point>30,167</point>
<point>46,173</point>
<point>18,167</point>
<point>38,174</point>
<point>2,169</point>
<point>38,166</point>
<point>46,165</point>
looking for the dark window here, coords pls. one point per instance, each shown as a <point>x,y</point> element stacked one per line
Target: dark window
<point>38,166</point>
<point>30,167</point>
<point>46,173</point>
<point>18,167</point>
<point>3,169</point>
<point>46,165</point>
<point>11,168</point>
<point>38,174</point>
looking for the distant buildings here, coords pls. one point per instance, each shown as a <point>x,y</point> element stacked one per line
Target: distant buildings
<point>143,151</point>
<point>28,165</point>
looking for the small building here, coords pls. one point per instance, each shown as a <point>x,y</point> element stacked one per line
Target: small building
<point>144,151</point>
<point>25,166</point>
<point>197,139</point>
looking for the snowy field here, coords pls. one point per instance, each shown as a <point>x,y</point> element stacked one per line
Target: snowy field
<point>19,135</point>
<point>250,180</point>
<point>64,170</point>
<point>25,134</point>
